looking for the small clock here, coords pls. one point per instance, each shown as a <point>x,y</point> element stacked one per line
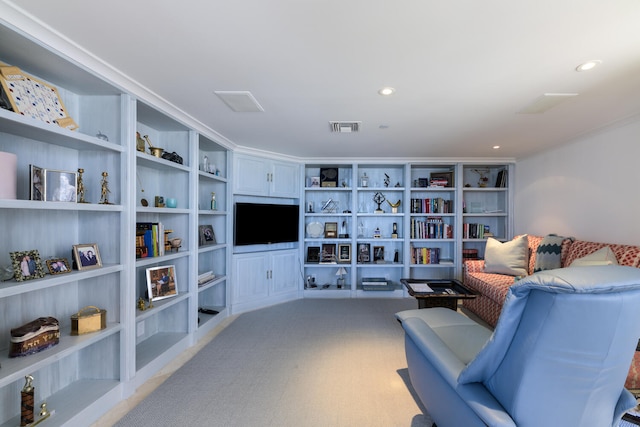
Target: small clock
<point>328,177</point>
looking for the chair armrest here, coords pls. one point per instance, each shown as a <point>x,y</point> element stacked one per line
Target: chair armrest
<point>474,266</point>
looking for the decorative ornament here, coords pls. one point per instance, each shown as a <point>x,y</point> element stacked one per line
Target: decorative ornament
<point>80,187</point>
<point>379,199</point>
<point>104,197</point>
<point>394,206</point>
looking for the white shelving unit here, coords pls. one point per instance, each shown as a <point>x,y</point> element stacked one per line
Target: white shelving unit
<point>429,219</point>
<point>84,376</point>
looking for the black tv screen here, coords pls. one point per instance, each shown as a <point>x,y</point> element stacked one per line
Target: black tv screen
<point>263,223</point>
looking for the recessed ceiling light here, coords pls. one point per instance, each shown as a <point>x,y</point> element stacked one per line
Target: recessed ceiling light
<point>495,147</point>
<point>589,65</point>
<point>386,91</point>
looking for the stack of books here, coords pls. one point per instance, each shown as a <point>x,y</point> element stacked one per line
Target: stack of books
<point>205,278</point>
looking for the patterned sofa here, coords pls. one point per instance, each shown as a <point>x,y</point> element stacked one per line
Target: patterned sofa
<point>492,288</point>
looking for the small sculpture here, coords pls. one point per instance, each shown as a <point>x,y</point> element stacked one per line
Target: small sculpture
<point>387,180</point>
<point>484,179</point>
<point>102,136</point>
<point>141,305</point>
<point>156,151</point>
<point>80,187</point>
<point>104,198</point>
<point>394,206</point>
<point>379,199</point>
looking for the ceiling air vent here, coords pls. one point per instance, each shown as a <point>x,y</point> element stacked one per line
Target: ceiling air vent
<point>345,127</point>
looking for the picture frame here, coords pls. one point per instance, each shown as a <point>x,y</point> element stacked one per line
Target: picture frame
<point>58,266</point>
<point>378,254</point>
<point>162,282</point>
<point>364,253</point>
<point>344,252</point>
<point>60,186</point>
<point>36,183</point>
<point>328,177</point>
<point>206,235</point>
<point>26,265</point>
<point>328,254</point>
<point>330,230</point>
<point>315,182</point>
<point>442,175</point>
<point>313,254</point>
<point>87,256</point>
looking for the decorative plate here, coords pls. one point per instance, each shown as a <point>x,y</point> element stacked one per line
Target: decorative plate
<point>315,229</point>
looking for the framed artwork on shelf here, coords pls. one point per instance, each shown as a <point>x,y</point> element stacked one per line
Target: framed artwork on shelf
<point>313,254</point>
<point>58,266</point>
<point>330,230</point>
<point>364,252</point>
<point>378,254</point>
<point>328,255</point>
<point>60,186</point>
<point>344,252</point>
<point>36,181</point>
<point>87,256</point>
<point>162,282</point>
<point>26,265</point>
<point>328,177</point>
<point>206,235</point>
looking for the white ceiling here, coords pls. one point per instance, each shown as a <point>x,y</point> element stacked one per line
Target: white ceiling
<point>462,69</point>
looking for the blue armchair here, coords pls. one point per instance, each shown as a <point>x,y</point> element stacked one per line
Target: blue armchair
<point>559,355</point>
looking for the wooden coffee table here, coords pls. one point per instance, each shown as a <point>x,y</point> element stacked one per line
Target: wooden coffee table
<point>437,292</point>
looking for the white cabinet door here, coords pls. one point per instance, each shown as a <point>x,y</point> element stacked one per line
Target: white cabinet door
<point>285,180</point>
<point>250,277</point>
<point>285,272</point>
<point>255,176</point>
<point>251,175</point>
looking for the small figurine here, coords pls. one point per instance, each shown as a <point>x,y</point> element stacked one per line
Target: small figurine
<point>102,136</point>
<point>80,187</point>
<point>387,180</point>
<point>379,199</point>
<point>141,305</point>
<point>104,198</point>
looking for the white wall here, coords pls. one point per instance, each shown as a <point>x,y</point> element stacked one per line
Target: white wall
<point>589,189</point>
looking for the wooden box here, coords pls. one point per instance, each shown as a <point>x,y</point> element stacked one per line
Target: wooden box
<point>87,320</point>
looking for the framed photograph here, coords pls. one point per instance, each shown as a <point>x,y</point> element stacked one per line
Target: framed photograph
<point>60,186</point>
<point>328,177</point>
<point>364,252</point>
<point>330,230</point>
<point>344,252</point>
<point>328,255</point>
<point>206,235</point>
<point>315,182</point>
<point>442,176</point>
<point>87,256</point>
<point>378,254</point>
<point>36,181</point>
<point>26,265</point>
<point>58,266</point>
<point>162,282</point>
<point>313,254</point>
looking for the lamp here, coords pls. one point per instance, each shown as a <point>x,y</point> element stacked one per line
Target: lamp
<point>340,273</point>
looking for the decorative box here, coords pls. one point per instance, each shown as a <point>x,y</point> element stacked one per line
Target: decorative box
<point>35,336</point>
<point>88,319</point>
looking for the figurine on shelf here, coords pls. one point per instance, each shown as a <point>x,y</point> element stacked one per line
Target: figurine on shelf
<point>80,187</point>
<point>379,199</point>
<point>139,143</point>
<point>394,206</point>
<point>104,198</point>
<point>484,179</point>
<point>141,305</point>
<point>387,180</point>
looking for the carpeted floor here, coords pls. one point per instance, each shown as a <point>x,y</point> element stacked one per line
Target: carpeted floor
<point>311,362</point>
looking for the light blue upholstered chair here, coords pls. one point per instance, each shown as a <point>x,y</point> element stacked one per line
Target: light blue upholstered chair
<point>559,355</point>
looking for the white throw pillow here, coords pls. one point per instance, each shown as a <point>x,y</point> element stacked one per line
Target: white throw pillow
<point>509,258</point>
<point>603,256</point>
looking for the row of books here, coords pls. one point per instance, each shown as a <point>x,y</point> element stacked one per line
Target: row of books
<point>435,205</point>
<point>431,228</point>
<point>149,239</point>
<point>476,231</point>
<point>423,256</point>
<point>501,179</point>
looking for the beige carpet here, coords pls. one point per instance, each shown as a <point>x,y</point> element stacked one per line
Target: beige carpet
<point>311,362</point>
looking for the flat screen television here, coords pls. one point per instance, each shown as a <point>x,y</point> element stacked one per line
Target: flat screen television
<point>264,223</point>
